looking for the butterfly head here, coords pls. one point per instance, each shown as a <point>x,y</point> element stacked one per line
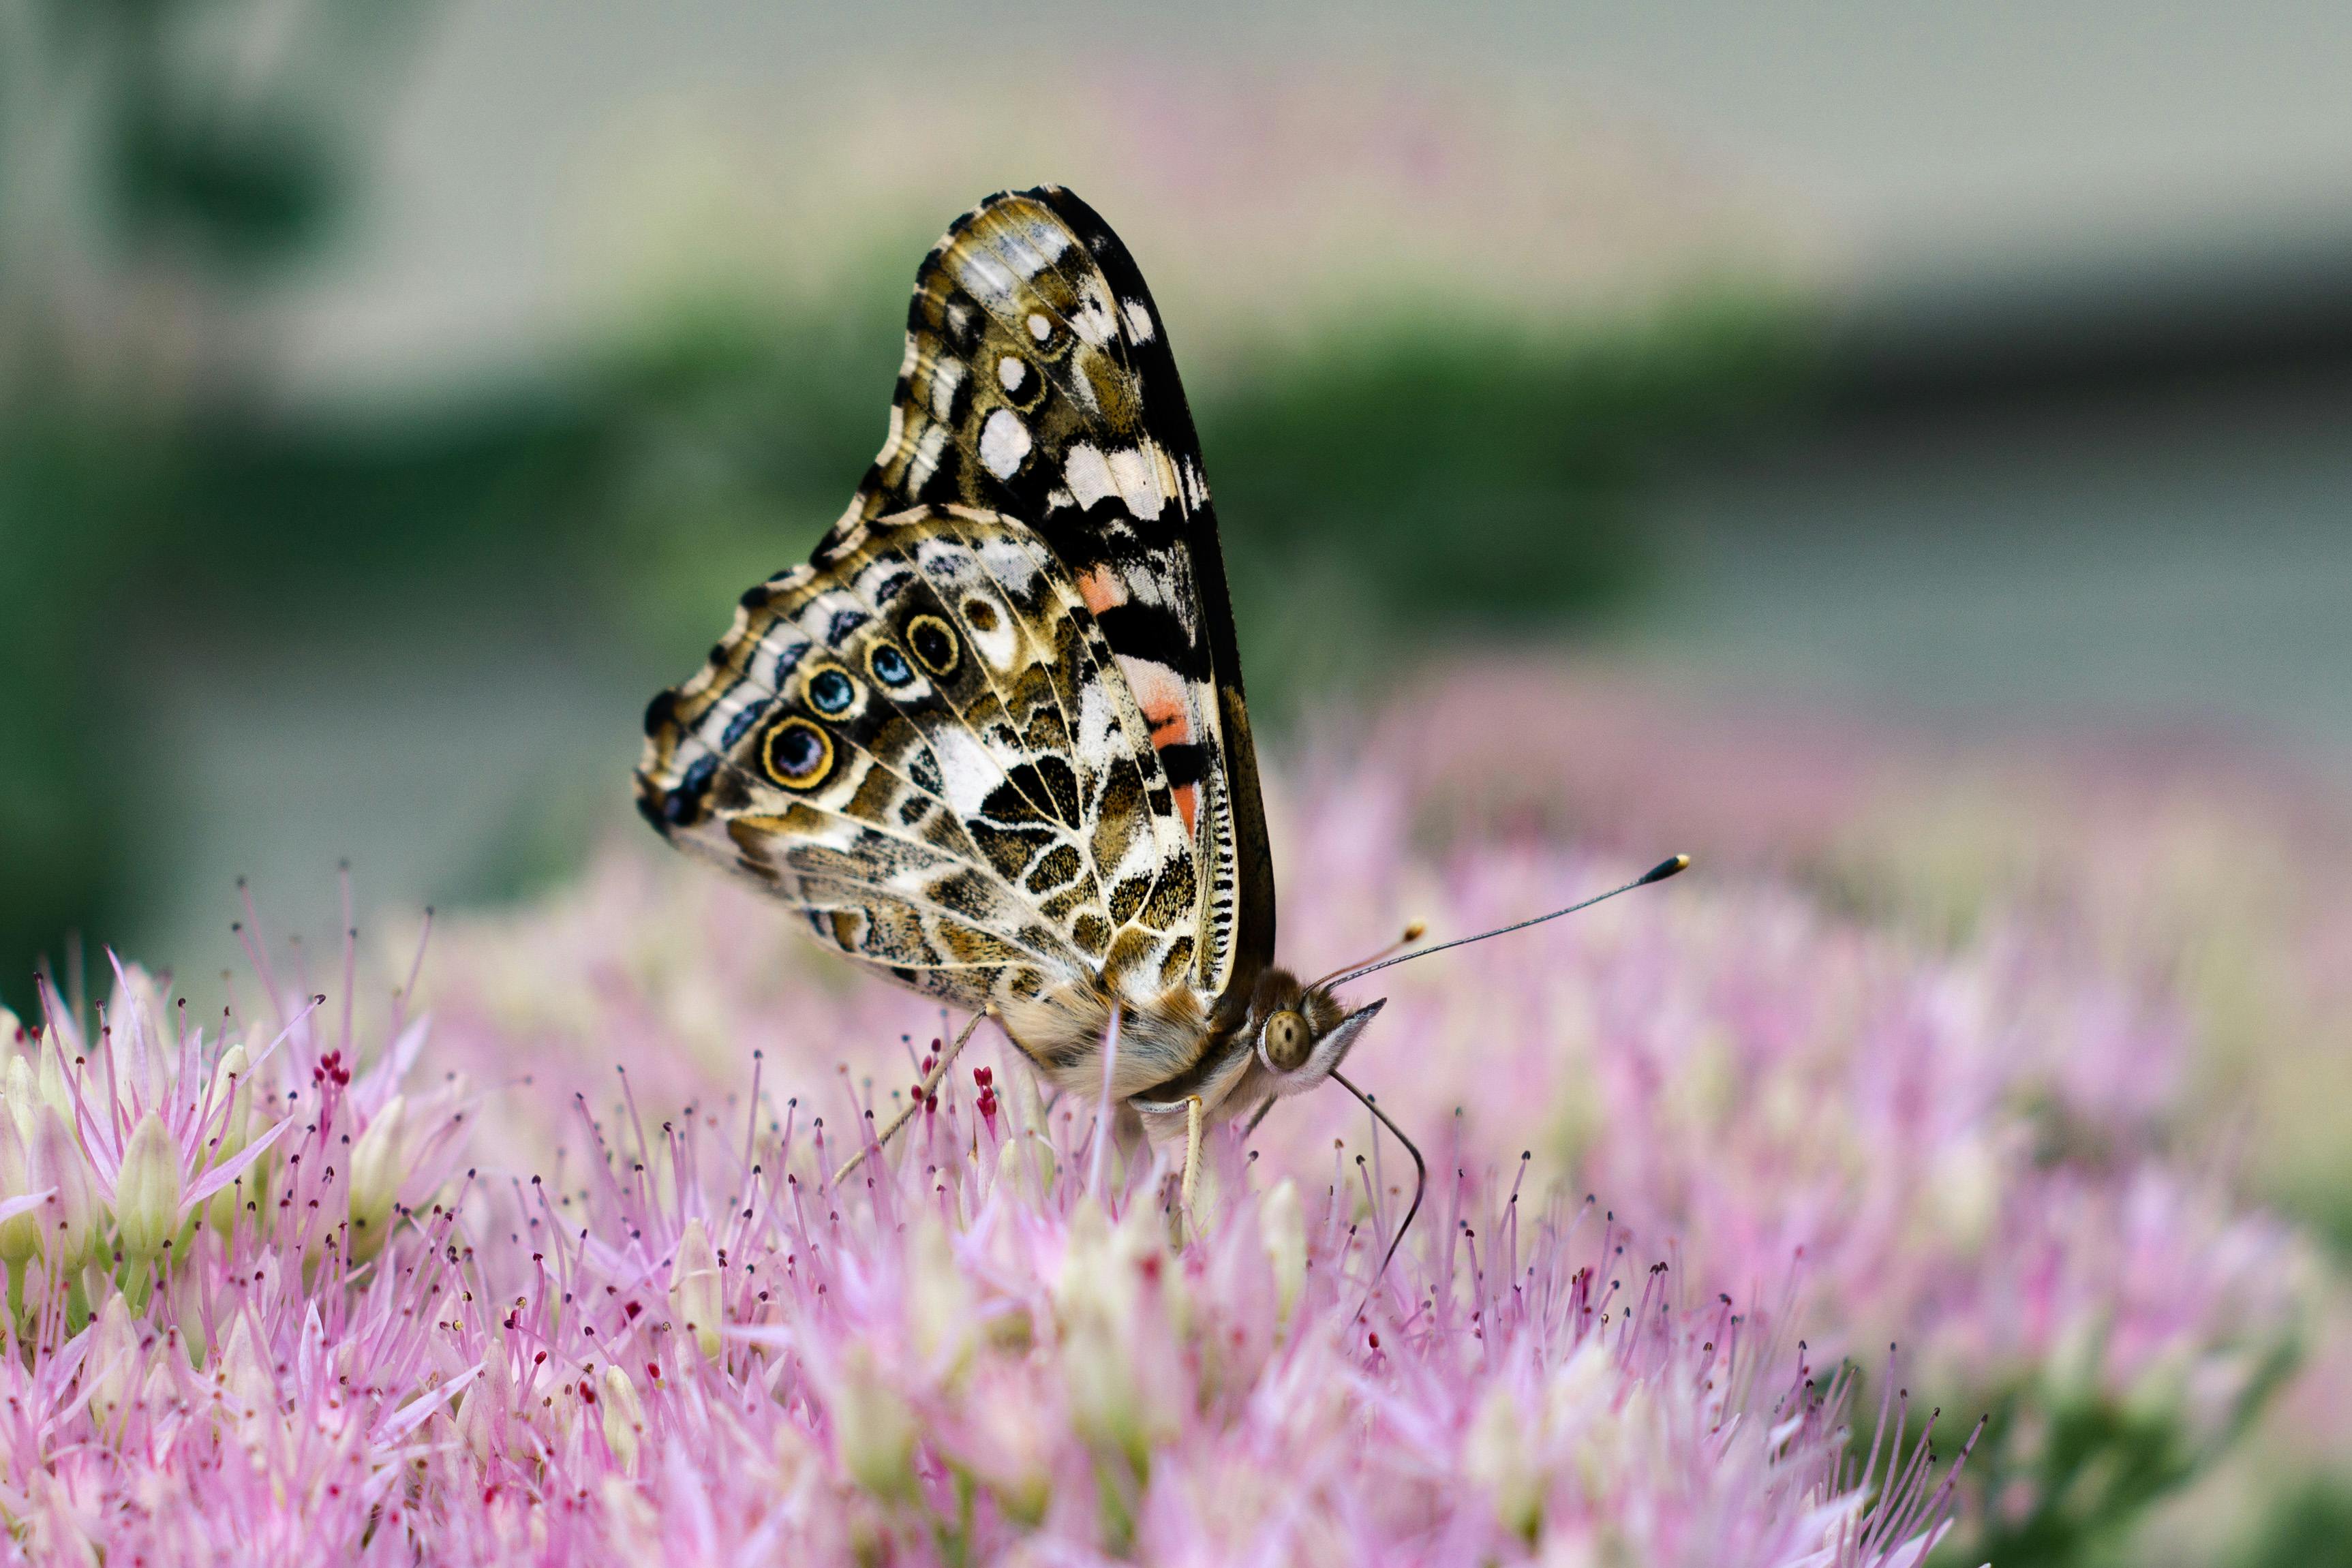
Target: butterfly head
<point>1302,1033</point>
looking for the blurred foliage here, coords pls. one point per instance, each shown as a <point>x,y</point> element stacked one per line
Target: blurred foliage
<point>2313,1529</point>
<point>2064,1476</point>
<point>157,157</point>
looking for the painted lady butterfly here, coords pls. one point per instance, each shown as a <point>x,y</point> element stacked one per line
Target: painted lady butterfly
<point>991,741</point>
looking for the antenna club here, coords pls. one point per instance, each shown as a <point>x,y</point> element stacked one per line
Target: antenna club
<point>1673,865</point>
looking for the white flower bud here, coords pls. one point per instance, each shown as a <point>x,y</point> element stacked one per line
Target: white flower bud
<point>1009,1442</point>
<point>67,1222</point>
<point>232,1076</point>
<point>1282,1230</point>
<point>245,1371</point>
<point>23,1093</point>
<point>379,1163</point>
<point>1118,1361</point>
<point>112,1362</point>
<point>147,1188</point>
<point>875,1430</point>
<point>625,1418</point>
<point>1498,1455</point>
<point>695,1298</point>
<point>20,1236</point>
<point>942,1319</point>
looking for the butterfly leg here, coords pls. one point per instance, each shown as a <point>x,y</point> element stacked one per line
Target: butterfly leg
<point>931,1083</point>
<point>1192,1120</point>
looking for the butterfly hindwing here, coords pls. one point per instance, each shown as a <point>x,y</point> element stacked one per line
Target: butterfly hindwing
<point>1038,383</point>
<point>922,740</point>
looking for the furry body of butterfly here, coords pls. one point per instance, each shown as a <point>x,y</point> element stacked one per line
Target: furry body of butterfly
<point>992,739</point>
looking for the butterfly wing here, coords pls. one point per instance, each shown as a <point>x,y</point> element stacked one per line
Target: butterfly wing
<point>1038,382</point>
<point>922,739</point>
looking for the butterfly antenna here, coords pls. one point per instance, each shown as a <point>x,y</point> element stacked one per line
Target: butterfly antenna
<point>1419,1178</point>
<point>1673,865</point>
<point>1412,934</point>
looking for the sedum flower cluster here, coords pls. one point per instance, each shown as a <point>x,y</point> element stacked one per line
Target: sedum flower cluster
<point>262,1318</point>
<point>286,1286</point>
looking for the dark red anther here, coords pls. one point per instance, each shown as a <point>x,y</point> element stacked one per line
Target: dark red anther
<point>982,1076</point>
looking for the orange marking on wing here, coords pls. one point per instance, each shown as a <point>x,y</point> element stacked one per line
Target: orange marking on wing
<point>1188,803</point>
<point>1101,588</point>
<point>1160,692</point>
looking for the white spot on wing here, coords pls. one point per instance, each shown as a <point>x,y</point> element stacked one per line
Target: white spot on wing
<point>1139,320</point>
<point>1196,488</point>
<point>1032,246</point>
<point>1039,328</point>
<point>1092,321</point>
<point>1137,479</point>
<point>985,278</point>
<point>1004,442</point>
<point>1009,370</point>
<point>933,441</point>
<point>946,376</point>
<point>1007,562</point>
<point>968,774</point>
<point>1089,476</point>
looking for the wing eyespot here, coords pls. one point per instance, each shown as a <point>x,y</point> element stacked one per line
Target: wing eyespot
<point>889,667</point>
<point>797,754</point>
<point>934,644</point>
<point>830,690</point>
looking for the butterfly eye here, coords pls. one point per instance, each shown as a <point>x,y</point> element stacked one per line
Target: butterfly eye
<point>933,643</point>
<point>831,691</point>
<point>797,753</point>
<point>890,666</point>
<point>1286,1039</point>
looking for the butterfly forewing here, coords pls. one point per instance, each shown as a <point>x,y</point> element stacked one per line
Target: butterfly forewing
<point>1038,383</point>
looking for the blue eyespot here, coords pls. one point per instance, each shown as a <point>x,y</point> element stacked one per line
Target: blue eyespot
<point>831,691</point>
<point>890,666</point>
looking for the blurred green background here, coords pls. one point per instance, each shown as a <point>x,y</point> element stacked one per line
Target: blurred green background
<point>393,394</point>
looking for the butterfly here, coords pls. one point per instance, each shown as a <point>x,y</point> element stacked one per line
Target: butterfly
<point>991,741</point>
